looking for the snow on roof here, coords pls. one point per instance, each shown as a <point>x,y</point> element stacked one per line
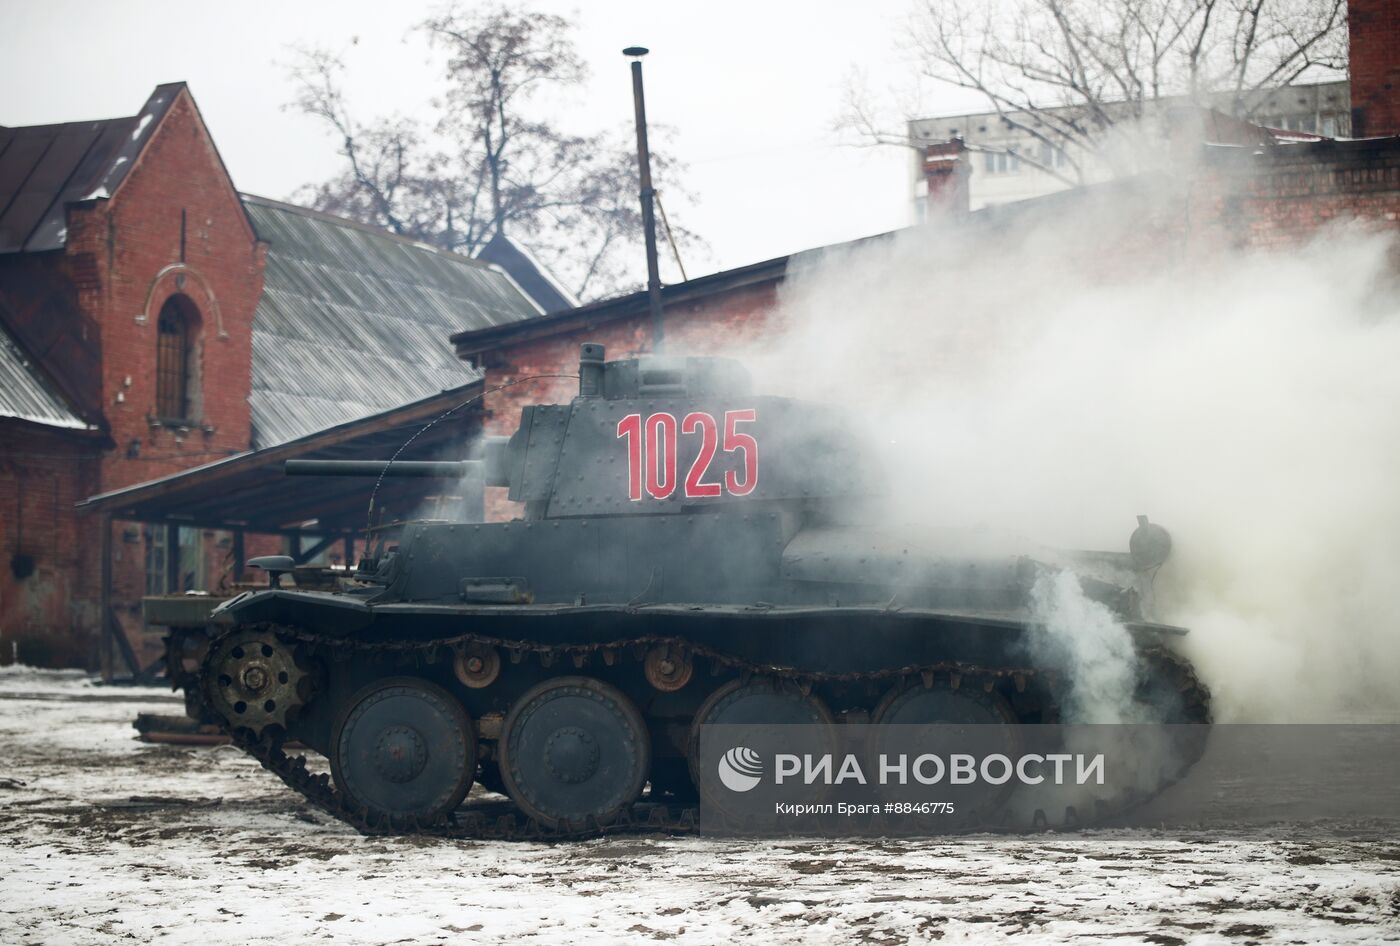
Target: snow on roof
<point>47,167</point>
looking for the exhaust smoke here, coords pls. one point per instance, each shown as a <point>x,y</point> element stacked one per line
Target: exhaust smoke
<point>1058,376</point>
<point>1086,644</point>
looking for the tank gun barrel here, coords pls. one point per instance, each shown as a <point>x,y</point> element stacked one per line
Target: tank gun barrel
<point>443,469</point>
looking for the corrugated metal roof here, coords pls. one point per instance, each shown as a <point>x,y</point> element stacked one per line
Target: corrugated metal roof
<point>25,393</point>
<point>44,168</point>
<point>354,320</point>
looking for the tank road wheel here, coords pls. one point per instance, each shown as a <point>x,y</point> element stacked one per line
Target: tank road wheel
<point>404,749</point>
<point>574,749</point>
<point>940,703</point>
<point>759,702</point>
<point>983,722</point>
<point>257,681</point>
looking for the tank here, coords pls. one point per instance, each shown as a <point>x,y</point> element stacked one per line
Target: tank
<point>690,553</point>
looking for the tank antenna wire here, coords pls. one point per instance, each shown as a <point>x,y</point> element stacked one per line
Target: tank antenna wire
<point>670,238</point>
<point>369,516</point>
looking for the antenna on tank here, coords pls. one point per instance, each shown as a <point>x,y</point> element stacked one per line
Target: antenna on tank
<point>648,195</point>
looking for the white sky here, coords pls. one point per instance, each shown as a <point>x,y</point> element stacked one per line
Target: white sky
<point>750,88</point>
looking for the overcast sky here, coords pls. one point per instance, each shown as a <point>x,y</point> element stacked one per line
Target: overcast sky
<point>750,88</point>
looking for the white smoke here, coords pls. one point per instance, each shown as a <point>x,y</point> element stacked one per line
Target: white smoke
<point>1082,639</point>
<point>1056,378</point>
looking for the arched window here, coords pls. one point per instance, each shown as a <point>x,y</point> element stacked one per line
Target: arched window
<point>174,345</point>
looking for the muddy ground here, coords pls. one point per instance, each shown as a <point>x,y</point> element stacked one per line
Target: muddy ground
<point>104,839</point>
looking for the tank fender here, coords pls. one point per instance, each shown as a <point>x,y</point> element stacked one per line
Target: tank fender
<point>319,611</point>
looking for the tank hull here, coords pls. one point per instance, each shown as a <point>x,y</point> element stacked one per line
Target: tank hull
<point>848,659</point>
<point>691,555</point>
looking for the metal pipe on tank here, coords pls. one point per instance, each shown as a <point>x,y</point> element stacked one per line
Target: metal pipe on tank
<point>590,370</point>
<point>648,195</point>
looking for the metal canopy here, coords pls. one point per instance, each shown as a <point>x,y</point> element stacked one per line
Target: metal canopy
<point>249,492</point>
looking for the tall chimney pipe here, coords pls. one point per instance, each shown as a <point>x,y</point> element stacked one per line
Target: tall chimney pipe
<point>1374,36</point>
<point>648,194</point>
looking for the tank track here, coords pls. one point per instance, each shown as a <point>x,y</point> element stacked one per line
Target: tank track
<point>501,820</point>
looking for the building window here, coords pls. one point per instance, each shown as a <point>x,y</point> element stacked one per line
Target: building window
<point>175,332</point>
<point>1051,156</point>
<point>1001,162</point>
<point>156,569</point>
<point>175,559</point>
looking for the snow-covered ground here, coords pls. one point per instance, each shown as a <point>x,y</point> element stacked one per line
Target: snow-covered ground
<point>104,839</point>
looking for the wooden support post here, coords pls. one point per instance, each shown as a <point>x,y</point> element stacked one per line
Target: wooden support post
<point>105,596</point>
<point>239,555</point>
<point>302,555</point>
<point>350,561</point>
<point>133,663</point>
<point>172,560</point>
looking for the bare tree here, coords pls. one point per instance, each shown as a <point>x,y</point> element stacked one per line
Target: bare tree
<point>1067,72</point>
<point>490,163</point>
<point>392,177</point>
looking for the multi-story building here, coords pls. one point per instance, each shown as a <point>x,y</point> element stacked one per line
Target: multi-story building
<point>1009,163</point>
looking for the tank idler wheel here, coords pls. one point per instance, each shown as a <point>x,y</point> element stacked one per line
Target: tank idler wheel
<point>977,721</point>
<point>477,665</point>
<point>257,681</point>
<point>404,749</point>
<point>763,708</point>
<point>668,668</point>
<point>573,750</point>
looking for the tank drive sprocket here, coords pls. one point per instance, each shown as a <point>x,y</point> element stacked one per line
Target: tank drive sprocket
<point>258,680</point>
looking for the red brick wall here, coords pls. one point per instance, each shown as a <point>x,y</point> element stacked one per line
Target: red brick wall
<point>140,268</point>
<point>1287,195</point>
<point>221,275</point>
<point>1375,67</point>
<point>47,616</point>
<point>122,261</point>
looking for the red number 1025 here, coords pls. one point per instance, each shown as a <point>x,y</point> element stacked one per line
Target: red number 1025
<point>652,447</point>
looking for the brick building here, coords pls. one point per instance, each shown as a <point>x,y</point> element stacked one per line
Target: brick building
<point>1246,187</point>
<point>152,319</point>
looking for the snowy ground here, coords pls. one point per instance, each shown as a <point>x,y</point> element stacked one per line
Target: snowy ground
<point>104,839</point>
